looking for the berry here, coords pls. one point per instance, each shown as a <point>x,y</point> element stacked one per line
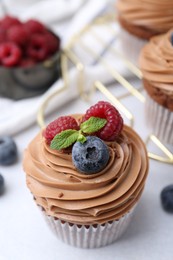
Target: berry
<point>171,39</point>
<point>37,48</point>
<point>26,62</point>
<point>3,36</point>
<point>25,44</point>
<point>167,198</point>
<point>57,126</point>
<point>32,26</point>
<point>1,184</point>
<point>8,150</point>
<point>53,42</point>
<point>10,54</point>
<point>17,34</point>
<point>9,21</point>
<point>114,123</point>
<point>90,157</point>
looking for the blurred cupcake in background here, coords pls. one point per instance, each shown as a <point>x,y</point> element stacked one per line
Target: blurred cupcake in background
<point>156,63</point>
<point>140,20</point>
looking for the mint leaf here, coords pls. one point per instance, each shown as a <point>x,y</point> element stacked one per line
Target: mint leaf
<point>81,138</point>
<point>64,139</point>
<point>93,124</point>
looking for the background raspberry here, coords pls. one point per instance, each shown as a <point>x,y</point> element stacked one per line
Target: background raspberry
<point>27,43</point>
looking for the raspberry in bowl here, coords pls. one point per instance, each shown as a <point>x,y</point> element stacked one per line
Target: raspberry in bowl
<point>29,58</point>
<point>86,173</point>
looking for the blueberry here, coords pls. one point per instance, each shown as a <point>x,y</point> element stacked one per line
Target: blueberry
<point>167,198</point>
<point>1,184</point>
<point>171,39</point>
<point>8,150</point>
<point>91,156</point>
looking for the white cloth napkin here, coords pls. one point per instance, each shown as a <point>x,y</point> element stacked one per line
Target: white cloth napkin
<point>66,17</point>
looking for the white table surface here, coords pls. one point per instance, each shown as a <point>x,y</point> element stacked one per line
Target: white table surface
<point>25,236</point>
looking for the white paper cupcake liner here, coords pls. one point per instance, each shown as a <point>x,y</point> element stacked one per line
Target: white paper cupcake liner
<point>160,120</point>
<point>131,46</point>
<point>91,237</point>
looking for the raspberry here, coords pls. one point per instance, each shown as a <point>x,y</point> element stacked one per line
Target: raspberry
<point>53,42</point>
<point>10,54</point>
<point>25,44</point>
<point>3,36</point>
<point>114,123</point>
<point>9,21</point>
<point>18,35</point>
<point>60,124</point>
<point>32,26</point>
<point>26,62</point>
<point>37,48</point>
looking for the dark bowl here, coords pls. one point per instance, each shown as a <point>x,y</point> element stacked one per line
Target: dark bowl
<point>19,83</point>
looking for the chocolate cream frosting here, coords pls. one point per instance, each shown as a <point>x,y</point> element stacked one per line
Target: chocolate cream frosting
<point>156,63</point>
<point>77,198</point>
<point>153,14</point>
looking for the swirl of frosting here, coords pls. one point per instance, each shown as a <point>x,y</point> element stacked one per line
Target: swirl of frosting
<point>152,14</point>
<point>87,199</point>
<point>156,63</point>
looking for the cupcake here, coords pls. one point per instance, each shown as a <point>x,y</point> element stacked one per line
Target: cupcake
<point>87,173</point>
<point>156,62</point>
<point>140,20</point>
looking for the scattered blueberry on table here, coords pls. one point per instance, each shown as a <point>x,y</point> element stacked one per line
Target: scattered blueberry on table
<point>167,198</point>
<point>8,151</point>
<point>1,184</point>
<point>172,39</point>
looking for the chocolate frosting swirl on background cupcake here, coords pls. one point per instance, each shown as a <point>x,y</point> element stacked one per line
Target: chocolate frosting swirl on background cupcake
<point>87,199</point>
<point>152,14</point>
<point>156,63</point>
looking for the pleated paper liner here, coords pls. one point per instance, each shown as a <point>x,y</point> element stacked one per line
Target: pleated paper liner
<point>89,236</point>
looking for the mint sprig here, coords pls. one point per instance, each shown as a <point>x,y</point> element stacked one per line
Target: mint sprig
<point>64,139</point>
<point>67,137</point>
